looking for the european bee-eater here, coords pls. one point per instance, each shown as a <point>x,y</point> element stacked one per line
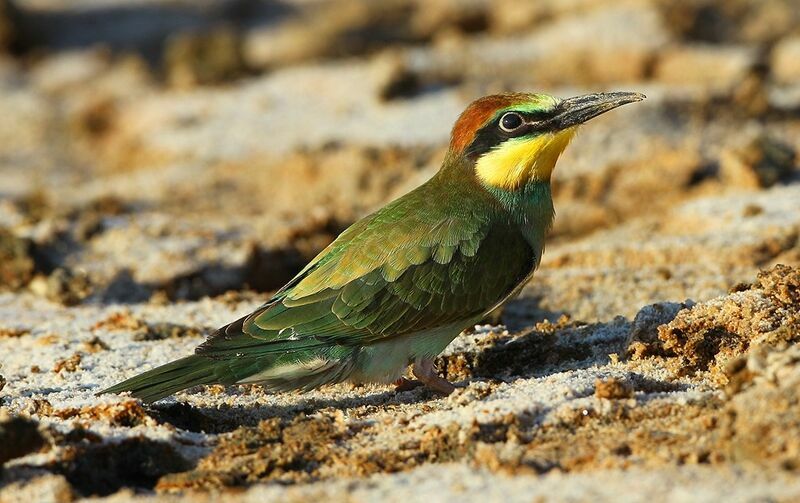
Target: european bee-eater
<point>398,285</point>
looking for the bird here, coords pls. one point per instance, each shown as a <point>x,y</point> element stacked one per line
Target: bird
<point>397,286</point>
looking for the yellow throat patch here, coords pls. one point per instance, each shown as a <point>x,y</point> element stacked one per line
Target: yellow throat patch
<point>516,161</point>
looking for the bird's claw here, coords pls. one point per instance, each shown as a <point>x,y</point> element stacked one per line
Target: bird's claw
<point>405,384</point>
<point>425,371</point>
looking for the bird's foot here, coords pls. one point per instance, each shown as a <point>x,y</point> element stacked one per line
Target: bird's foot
<point>425,371</point>
<point>405,384</point>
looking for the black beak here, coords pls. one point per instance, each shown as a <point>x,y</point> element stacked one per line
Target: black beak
<point>579,109</point>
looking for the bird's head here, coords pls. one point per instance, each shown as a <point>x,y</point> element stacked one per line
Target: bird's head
<point>513,138</point>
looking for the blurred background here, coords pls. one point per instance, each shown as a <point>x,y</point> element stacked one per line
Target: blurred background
<point>165,164</point>
<point>158,150</point>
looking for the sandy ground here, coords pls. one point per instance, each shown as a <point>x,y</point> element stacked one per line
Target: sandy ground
<point>157,183</point>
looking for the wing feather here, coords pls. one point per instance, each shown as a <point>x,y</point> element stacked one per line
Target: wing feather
<point>415,265</point>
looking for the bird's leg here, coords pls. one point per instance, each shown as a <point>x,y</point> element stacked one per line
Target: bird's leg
<point>425,371</point>
<point>405,384</point>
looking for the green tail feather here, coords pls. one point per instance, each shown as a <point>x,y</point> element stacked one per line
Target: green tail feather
<point>168,379</point>
<point>196,369</point>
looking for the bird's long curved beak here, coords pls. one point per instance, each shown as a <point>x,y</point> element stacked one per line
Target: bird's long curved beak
<point>579,109</point>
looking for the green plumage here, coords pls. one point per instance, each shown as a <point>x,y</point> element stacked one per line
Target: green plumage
<point>397,286</point>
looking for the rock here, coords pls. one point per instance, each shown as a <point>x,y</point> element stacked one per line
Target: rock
<point>697,20</point>
<point>764,22</point>
<point>785,98</point>
<point>612,389</point>
<point>764,408</point>
<point>730,21</point>
<point>396,78</point>
<point>70,364</point>
<point>615,44</point>
<point>711,334</point>
<point>9,24</point>
<point>34,206</point>
<point>17,265</point>
<point>166,330</point>
<point>42,489</point>
<point>434,18</point>
<point>337,28</point>
<point>761,162</point>
<point>611,45</point>
<point>785,61</point>
<point>642,340</point>
<point>716,68</point>
<point>511,16</point>
<point>203,58</point>
<point>71,70</point>
<point>63,285</point>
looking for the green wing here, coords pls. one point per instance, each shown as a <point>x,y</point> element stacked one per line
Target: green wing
<point>417,264</point>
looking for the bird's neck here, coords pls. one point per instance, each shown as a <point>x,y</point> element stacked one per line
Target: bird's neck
<point>530,207</point>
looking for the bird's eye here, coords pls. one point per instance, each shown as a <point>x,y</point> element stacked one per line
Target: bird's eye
<point>510,121</point>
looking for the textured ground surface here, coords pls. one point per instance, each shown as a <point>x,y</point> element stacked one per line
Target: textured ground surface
<point>157,183</point>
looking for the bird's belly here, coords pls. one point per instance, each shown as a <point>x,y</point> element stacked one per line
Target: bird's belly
<point>385,361</point>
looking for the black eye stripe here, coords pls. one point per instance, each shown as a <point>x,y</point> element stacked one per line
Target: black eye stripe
<point>493,134</point>
<point>537,116</point>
